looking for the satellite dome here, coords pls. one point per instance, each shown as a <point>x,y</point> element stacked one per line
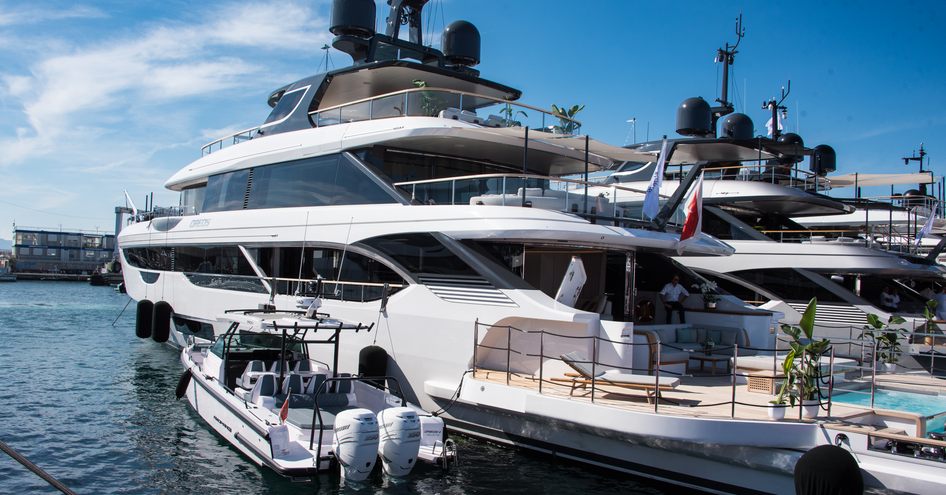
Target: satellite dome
<point>461,43</point>
<point>694,117</point>
<point>823,160</point>
<point>737,126</point>
<point>353,17</point>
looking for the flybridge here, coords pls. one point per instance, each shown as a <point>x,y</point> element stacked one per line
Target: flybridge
<point>394,77</point>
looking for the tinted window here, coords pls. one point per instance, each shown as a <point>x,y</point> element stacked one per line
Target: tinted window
<point>421,254</point>
<point>322,181</point>
<point>286,104</point>
<point>788,284</point>
<point>192,199</point>
<point>226,191</point>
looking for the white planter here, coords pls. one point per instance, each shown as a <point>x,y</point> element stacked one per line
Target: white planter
<point>776,412</point>
<point>711,305</point>
<point>890,367</point>
<point>810,409</point>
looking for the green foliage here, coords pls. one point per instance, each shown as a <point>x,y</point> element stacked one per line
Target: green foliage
<point>509,116</point>
<point>802,366</point>
<point>566,116</point>
<point>430,102</point>
<point>888,339</point>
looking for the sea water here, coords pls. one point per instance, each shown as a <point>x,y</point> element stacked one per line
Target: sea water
<point>94,406</point>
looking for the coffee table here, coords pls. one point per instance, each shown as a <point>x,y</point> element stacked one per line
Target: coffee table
<point>710,358</point>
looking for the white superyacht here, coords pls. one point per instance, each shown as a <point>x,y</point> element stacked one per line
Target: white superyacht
<point>422,198</point>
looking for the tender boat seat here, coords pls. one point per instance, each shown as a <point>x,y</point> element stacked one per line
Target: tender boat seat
<point>253,370</point>
<point>315,382</point>
<point>264,391</point>
<point>293,383</point>
<point>278,366</point>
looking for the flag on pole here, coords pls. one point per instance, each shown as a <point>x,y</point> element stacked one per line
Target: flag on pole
<point>927,227</point>
<point>652,199</point>
<point>284,410</point>
<point>693,224</point>
<point>768,124</point>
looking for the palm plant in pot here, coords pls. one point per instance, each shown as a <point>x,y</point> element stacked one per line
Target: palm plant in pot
<point>802,364</point>
<point>887,339</point>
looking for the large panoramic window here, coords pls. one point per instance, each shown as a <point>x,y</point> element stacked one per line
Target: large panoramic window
<point>192,199</point>
<point>421,254</point>
<point>320,181</point>
<point>287,102</point>
<point>226,191</point>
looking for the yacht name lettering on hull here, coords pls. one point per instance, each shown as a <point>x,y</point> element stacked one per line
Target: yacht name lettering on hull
<point>224,424</point>
<point>196,224</point>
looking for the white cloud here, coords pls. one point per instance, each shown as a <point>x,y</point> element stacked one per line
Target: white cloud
<point>107,82</point>
<point>25,14</point>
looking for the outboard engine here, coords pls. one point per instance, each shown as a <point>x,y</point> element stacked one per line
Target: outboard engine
<point>400,440</point>
<point>356,443</point>
<point>431,433</point>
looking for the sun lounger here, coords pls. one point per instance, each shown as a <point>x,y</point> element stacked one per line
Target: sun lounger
<point>584,376</point>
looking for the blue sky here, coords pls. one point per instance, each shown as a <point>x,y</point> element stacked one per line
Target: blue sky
<point>103,96</point>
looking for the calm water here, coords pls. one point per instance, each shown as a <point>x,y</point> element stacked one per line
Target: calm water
<point>95,407</point>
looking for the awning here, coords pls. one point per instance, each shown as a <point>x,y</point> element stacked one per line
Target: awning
<point>867,180</point>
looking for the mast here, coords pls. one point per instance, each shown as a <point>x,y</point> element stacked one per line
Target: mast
<point>726,56</point>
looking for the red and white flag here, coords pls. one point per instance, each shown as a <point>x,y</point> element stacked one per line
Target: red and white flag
<point>284,410</point>
<point>693,224</point>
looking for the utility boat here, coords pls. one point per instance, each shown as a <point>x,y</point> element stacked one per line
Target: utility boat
<point>259,388</point>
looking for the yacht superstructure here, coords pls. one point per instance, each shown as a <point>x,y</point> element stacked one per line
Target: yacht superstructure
<point>408,192</point>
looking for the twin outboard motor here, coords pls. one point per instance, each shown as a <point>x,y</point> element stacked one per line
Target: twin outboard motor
<point>356,443</point>
<point>399,445</point>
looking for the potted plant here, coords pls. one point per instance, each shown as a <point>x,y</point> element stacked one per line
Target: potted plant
<point>509,116</point>
<point>887,339</point>
<point>710,296</point>
<point>566,119</point>
<point>802,365</point>
<point>776,408</point>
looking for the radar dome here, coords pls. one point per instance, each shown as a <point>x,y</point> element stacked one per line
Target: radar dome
<point>795,152</point>
<point>823,160</point>
<point>694,117</point>
<point>461,43</point>
<point>737,126</point>
<point>353,17</point>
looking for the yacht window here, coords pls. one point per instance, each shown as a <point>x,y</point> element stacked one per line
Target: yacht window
<point>789,284</point>
<point>655,270</point>
<point>747,294</point>
<point>218,260</point>
<point>421,254</point>
<point>362,275</point>
<point>872,286</point>
<point>192,199</point>
<point>321,181</point>
<point>226,191</point>
<point>285,106</point>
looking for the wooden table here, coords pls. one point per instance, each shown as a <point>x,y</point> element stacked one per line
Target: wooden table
<point>704,358</point>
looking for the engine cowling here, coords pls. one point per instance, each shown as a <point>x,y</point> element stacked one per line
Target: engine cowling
<point>356,443</point>
<point>400,440</point>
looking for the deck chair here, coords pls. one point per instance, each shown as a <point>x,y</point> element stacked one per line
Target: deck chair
<point>584,376</point>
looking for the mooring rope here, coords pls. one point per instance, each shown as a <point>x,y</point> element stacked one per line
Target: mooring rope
<point>38,471</point>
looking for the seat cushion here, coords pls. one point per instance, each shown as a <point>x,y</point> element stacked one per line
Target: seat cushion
<point>714,336</point>
<point>686,335</point>
<point>667,357</point>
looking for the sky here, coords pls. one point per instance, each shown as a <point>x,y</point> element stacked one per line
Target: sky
<point>101,97</point>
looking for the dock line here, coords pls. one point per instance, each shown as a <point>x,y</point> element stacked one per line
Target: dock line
<point>38,471</point>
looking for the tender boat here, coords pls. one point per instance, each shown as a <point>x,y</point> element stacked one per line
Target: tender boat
<point>259,388</point>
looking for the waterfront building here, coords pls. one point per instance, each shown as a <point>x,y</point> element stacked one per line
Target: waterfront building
<point>39,250</point>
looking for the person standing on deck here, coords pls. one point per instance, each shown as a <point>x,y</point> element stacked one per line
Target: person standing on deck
<point>673,295</point>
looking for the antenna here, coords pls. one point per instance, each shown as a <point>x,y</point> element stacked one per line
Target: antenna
<point>326,59</point>
<point>726,56</point>
<point>776,106</point>
<point>917,158</point>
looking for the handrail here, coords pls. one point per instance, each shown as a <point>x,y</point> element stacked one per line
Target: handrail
<point>827,379</point>
<point>436,89</point>
<point>524,176</point>
<point>208,148</point>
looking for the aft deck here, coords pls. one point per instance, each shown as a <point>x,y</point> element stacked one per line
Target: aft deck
<point>703,395</point>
